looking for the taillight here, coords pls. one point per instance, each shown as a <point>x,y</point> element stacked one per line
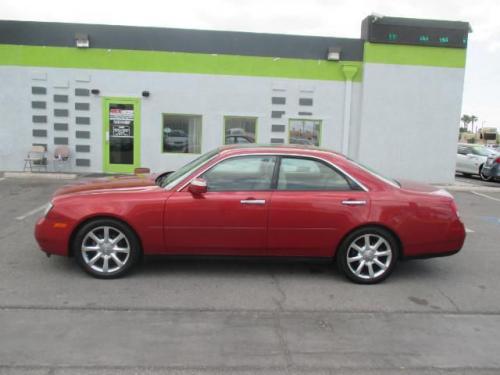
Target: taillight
<point>497,160</point>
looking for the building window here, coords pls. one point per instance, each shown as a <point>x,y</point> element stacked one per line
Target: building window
<point>182,133</point>
<point>305,132</point>
<point>240,130</point>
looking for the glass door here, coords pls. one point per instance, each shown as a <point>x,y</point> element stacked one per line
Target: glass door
<point>121,134</point>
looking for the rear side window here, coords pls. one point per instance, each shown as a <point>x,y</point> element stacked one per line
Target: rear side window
<point>307,174</point>
<point>244,173</point>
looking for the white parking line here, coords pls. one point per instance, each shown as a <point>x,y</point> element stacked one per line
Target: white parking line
<point>32,212</point>
<point>467,230</point>
<point>485,196</point>
<point>2,178</point>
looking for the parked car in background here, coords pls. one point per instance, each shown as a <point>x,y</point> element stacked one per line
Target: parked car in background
<point>175,140</point>
<point>239,139</point>
<point>471,159</point>
<point>491,168</point>
<point>261,201</point>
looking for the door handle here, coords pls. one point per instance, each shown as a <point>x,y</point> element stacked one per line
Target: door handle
<point>253,201</point>
<point>350,202</point>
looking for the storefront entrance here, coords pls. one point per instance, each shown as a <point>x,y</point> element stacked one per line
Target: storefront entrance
<point>122,130</point>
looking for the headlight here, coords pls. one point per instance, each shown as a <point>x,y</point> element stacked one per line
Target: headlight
<point>47,208</point>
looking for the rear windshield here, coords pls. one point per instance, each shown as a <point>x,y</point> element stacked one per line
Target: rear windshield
<point>380,176</point>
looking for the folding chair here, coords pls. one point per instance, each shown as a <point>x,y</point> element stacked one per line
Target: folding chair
<point>36,157</point>
<point>62,157</point>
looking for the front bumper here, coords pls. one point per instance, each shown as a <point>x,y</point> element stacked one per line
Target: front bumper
<point>52,237</point>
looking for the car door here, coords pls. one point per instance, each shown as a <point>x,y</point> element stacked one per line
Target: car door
<point>312,208</point>
<point>472,161</point>
<point>231,217</point>
<point>462,159</point>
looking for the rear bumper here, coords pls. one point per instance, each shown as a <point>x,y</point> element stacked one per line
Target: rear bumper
<point>451,243</point>
<point>52,238</point>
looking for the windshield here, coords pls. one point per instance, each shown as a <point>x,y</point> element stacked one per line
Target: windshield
<point>389,180</point>
<point>175,177</point>
<point>482,151</point>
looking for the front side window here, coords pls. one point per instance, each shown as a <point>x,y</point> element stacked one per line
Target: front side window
<point>239,130</point>
<point>308,174</point>
<point>305,132</point>
<point>244,173</point>
<point>182,133</point>
<point>175,177</point>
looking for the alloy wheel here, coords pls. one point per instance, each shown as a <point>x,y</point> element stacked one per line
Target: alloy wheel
<point>369,256</point>
<point>105,249</point>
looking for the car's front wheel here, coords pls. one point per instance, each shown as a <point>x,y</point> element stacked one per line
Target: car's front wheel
<point>368,255</point>
<point>106,248</point>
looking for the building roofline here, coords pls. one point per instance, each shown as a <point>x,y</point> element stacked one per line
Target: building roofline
<point>178,40</point>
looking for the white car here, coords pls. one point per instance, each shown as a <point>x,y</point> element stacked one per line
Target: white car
<point>471,158</point>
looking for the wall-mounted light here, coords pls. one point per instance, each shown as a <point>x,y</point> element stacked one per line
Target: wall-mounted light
<point>145,94</point>
<point>95,91</point>
<point>334,53</point>
<point>82,41</point>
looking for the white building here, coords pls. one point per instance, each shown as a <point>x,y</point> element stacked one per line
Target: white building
<point>122,97</point>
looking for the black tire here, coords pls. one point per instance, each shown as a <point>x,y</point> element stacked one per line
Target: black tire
<point>483,177</point>
<point>357,237</point>
<point>128,258</point>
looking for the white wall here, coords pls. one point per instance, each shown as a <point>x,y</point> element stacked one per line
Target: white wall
<point>410,120</point>
<point>404,119</point>
<point>211,96</point>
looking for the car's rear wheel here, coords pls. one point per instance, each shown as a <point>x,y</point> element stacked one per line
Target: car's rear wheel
<point>483,177</point>
<point>106,248</point>
<point>368,255</point>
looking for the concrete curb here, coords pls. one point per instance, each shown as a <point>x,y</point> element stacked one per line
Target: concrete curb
<point>40,175</point>
<point>484,189</point>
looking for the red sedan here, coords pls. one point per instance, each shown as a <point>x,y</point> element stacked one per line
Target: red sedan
<point>282,201</point>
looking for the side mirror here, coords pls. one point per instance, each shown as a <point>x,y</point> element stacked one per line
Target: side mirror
<point>198,186</point>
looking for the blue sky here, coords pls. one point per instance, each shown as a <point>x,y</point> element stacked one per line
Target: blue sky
<point>311,17</point>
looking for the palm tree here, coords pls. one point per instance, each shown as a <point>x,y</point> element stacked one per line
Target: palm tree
<point>472,119</point>
<point>466,119</point>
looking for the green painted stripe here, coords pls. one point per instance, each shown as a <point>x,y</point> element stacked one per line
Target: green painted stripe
<point>178,62</point>
<point>414,55</point>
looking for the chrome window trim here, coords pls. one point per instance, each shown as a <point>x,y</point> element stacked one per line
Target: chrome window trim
<point>363,187</point>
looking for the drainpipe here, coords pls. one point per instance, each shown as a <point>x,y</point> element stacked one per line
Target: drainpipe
<point>349,73</point>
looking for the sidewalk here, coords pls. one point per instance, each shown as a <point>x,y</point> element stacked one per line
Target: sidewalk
<point>470,186</point>
<point>42,175</point>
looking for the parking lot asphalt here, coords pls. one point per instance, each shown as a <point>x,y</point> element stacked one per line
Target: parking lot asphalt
<point>204,316</point>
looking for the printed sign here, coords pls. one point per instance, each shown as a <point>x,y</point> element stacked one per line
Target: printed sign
<point>121,114</point>
<point>121,130</point>
<point>121,121</point>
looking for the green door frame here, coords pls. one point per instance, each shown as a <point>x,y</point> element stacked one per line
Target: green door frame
<point>121,168</point>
